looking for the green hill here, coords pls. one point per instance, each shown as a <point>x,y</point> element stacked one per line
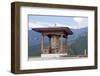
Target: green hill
<point>79,45</point>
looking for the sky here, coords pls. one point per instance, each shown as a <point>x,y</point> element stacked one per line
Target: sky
<point>40,21</point>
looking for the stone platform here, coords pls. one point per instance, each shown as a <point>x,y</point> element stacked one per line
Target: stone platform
<point>53,55</point>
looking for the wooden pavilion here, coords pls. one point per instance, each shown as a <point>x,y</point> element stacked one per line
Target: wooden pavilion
<point>56,36</point>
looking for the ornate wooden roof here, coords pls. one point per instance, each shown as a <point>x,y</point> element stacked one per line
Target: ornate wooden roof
<point>57,29</point>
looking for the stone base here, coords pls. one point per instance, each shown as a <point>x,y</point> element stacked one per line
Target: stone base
<point>53,55</point>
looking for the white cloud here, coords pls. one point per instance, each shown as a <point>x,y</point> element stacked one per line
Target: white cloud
<point>78,19</point>
<point>58,25</point>
<point>44,24</point>
<point>81,22</point>
<point>35,25</point>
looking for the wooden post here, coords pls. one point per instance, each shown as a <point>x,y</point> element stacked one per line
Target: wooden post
<point>66,46</point>
<point>61,44</point>
<point>49,49</point>
<point>42,42</point>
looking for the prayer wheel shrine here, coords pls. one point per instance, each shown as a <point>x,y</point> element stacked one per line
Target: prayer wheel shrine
<point>57,41</point>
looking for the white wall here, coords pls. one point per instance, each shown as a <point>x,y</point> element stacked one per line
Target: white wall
<point>5,32</point>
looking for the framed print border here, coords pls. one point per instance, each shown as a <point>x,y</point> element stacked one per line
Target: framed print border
<point>15,37</point>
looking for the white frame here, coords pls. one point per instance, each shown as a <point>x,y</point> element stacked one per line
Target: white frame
<point>25,64</point>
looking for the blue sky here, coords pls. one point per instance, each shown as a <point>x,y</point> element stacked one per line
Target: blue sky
<point>66,21</point>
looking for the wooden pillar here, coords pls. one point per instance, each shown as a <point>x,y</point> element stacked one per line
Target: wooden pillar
<point>42,43</point>
<point>61,44</point>
<point>49,49</point>
<point>66,47</point>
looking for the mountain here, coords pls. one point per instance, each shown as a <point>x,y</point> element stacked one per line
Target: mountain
<point>79,45</point>
<point>34,40</point>
<point>76,33</point>
<point>77,42</point>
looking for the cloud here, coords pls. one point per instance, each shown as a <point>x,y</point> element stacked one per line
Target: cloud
<point>36,25</point>
<point>78,19</point>
<point>81,22</point>
<point>46,25</point>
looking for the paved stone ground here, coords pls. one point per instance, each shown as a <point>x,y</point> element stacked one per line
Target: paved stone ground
<point>53,58</point>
